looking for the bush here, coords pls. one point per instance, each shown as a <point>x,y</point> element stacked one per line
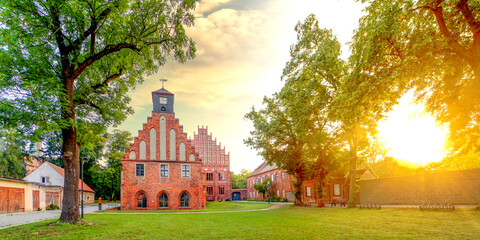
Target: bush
<point>284,200</point>
<point>227,200</point>
<point>477,207</point>
<point>39,209</point>
<point>52,207</point>
<point>219,200</point>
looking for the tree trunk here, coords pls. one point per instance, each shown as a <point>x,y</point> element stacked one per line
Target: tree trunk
<point>353,177</point>
<point>353,169</point>
<point>70,151</point>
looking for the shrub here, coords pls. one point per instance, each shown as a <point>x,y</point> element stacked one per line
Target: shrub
<point>284,200</point>
<point>477,207</point>
<point>219,200</point>
<point>227,200</point>
<point>52,207</point>
<point>39,209</point>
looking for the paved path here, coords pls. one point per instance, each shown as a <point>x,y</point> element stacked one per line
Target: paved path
<point>273,206</point>
<point>15,219</point>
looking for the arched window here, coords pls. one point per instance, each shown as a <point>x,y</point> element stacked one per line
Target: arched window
<point>163,200</point>
<point>184,200</point>
<point>163,138</point>
<point>143,150</point>
<point>142,200</point>
<point>191,158</point>
<point>132,155</point>
<point>153,144</point>
<point>173,145</point>
<point>181,148</point>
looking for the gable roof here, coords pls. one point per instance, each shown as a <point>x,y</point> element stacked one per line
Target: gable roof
<point>60,170</point>
<point>264,167</point>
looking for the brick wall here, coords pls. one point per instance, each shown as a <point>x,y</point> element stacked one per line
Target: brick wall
<point>282,185</point>
<point>456,187</point>
<point>151,184</point>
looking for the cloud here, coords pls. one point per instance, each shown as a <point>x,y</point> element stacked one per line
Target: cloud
<point>208,5</point>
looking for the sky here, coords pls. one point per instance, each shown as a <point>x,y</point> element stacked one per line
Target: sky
<point>242,48</point>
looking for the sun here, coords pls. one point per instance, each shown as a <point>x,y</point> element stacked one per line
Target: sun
<point>411,135</point>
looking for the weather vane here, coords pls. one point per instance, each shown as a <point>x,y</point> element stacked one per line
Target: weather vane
<point>163,80</point>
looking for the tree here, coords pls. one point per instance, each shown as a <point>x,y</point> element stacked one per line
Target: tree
<point>264,187</point>
<point>293,130</point>
<point>12,154</point>
<point>68,64</point>
<point>239,181</point>
<point>431,46</point>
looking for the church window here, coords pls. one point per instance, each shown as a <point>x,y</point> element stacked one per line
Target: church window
<point>221,190</point>
<point>209,176</point>
<point>221,176</point>
<point>139,170</point>
<point>276,176</point>
<point>142,200</point>
<point>163,138</point>
<point>143,150</point>
<point>283,193</point>
<point>209,190</point>
<point>191,158</point>
<point>173,145</point>
<point>185,171</point>
<point>308,191</point>
<point>283,175</point>
<point>278,193</point>
<point>132,155</point>
<point>181,149</point>
<point>164,170</point>
<point>336,189</point>
<point>163,200</point>
<point>184,200</point>
<point>153,144</point>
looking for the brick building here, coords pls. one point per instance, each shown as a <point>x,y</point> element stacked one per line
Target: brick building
<point>216,165</point>
<point>161,169</point>
<point>335,191</point>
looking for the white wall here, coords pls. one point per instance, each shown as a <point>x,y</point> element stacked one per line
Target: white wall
<point>45,170</point>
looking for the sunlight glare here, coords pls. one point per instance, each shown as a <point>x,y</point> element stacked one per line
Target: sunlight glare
<point>411,135</point>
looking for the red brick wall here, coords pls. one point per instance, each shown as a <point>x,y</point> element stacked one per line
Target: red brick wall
<point>152,184</point>
<point>243,193</point>
<point>456,187</point>
<point>280,184</point>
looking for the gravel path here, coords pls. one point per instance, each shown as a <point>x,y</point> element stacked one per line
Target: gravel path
<point>15,219</point>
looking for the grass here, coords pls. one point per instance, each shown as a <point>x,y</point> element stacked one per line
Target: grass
<point>288,222</point>
<point>210,206</point>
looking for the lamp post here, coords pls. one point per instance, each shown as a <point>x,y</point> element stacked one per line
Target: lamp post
<point>81,172</point>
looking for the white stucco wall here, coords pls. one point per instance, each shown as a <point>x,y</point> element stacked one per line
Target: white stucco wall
<point>45,170</point>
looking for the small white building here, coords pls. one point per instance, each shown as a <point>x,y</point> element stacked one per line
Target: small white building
<point>22,196</point>
<point>50,174</point>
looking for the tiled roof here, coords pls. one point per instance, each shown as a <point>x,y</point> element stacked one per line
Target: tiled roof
<point>264,167</point>
<point>60,170</point>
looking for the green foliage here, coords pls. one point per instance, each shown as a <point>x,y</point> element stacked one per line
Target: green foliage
<point>68,65</point>
<point>264,187</point>
<point>12,154</point>
<point>239,181</point>
<point>428,46</point>
<point>52,207</point>
<point>293,130</point>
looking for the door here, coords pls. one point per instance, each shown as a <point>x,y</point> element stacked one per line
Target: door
<point>236,196</point>
<point>36,199</point>
<point>11,200</point>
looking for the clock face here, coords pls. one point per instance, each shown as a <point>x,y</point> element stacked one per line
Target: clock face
<point>163,100</point>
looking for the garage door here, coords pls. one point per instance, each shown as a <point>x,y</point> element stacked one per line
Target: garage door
<point>11,200</point>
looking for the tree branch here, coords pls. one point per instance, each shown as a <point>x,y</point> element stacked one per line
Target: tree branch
<point>462,5</point>
<point>107,81</point>
<point>106,51</point>
<point>452,43</point>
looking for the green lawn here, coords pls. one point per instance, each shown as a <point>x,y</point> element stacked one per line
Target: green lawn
<point>288,222</point>
<point>210,206</point>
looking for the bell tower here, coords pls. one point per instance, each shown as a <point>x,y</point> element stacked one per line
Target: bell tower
<point>162,100</point>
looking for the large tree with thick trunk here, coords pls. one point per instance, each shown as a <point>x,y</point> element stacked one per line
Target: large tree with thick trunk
<point>431,46</point>
<point>66,65</point>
